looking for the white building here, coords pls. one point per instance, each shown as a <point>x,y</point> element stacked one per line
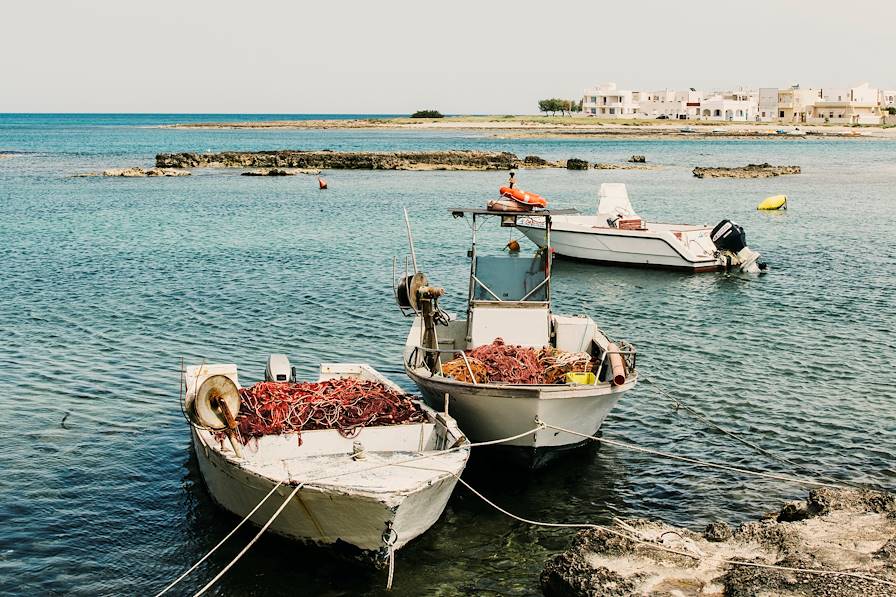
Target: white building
<point>606,101</point>
<point>767,105</point>
<point>855,105</point>
<point>676,105</point>
<point>795,103</point>
<point>887,98</point>
<point>735,106</point>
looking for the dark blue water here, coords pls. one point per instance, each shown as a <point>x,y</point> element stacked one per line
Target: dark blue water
<point>106,283</point>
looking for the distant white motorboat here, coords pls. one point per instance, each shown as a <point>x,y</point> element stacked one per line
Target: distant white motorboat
<point>616,235</point>
<point>509,297</point>
<point>374,491</point>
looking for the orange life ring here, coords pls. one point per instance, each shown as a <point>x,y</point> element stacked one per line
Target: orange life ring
<point>523,197</point>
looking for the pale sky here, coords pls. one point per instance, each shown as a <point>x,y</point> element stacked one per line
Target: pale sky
<point>399,56</point>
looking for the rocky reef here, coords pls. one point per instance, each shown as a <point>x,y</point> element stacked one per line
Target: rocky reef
<point>834,529</point>
<point>138,172</point>
<point>345,160</point>
<point>624,166</point>
<point>576,164</point>
<point>280,172</point>
<point>749,171</point>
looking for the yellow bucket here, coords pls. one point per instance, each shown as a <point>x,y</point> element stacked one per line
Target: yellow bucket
<point>580,378</point>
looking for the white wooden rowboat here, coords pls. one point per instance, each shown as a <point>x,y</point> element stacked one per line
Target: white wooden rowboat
<point>392,493</point>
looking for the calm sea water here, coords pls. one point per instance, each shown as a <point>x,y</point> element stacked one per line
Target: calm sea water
<point>106,283</point>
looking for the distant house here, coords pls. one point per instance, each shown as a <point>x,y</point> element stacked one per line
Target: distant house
<point>606,101</point>
<point>733,106</point>
<point>675,105</point>
<point>795,103</point>
<point>855,105</point>
<point>767,104</point>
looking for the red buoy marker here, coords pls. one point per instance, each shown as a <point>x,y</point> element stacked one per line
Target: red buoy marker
<point>322,183</point>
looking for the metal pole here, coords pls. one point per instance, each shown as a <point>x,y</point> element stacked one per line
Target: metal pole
<point>410,239</point>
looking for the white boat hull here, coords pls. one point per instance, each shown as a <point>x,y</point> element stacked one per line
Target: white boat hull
<point>325,515</point>
<point>633,248</point>
<point>490,412</point>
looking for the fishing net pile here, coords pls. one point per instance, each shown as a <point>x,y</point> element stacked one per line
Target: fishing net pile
<point>499,362</point>
<point>347,405</point>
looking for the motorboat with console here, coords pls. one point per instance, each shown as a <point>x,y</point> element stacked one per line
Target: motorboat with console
<point>616,235</point>
<point>509,305</point>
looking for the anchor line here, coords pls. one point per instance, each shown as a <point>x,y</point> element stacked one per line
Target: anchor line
<point>697,461</point>
<point>735,436</point>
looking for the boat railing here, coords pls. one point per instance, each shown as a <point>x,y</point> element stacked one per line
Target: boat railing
<point>628,353</point>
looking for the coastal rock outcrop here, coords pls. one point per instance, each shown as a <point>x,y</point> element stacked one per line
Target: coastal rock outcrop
<point>576,164</point>
<point>344,160</point>
<point>749,171</point>
<point>136,172</point>
<point>838,530</point>
<point>638,159</point>
<point>624,166</point>
<point>280,172</point>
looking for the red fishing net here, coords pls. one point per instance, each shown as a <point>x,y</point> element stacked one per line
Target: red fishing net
<point>506,363</point>
<point>347,405</point>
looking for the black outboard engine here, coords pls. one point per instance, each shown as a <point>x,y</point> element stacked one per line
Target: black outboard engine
<point>731,241</point>
<point>728,236</point>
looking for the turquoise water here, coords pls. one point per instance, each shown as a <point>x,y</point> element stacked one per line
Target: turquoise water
<point>107,283</point>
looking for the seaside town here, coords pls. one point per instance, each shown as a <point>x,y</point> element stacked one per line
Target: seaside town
<point>859,105</point>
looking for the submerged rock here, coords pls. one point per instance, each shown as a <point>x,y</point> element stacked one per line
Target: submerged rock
<point>136,172</point>
<point>638,159</point>
<point>280,172</point>
<point>624,166</point>
<point>749,171</point>
<point>842,530</point>
<point>346,160</point>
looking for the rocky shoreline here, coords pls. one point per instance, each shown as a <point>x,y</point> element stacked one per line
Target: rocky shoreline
<point>349,160</point>
<point>136,172</point>
<point>842,530</point>
<point>749,171</point>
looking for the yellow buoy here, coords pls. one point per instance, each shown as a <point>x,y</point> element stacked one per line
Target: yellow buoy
<point>776,202</point>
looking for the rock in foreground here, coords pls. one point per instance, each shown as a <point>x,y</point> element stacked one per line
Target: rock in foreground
<point>748,171</point>
<point>135,172</point>
<point>280,172</point>
<point>344,160</point>
<point>842,530</point>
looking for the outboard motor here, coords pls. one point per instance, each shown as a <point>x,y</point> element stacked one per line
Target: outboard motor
<point>279,369</point>
<point>731,240</point>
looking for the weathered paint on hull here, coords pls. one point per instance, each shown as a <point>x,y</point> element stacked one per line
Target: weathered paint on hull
<point>320,516</point>
<point>489,413</point>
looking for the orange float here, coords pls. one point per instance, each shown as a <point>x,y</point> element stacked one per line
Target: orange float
<point>523,197</point>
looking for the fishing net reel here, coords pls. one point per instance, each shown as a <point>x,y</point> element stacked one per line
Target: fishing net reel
<point>215,406</point>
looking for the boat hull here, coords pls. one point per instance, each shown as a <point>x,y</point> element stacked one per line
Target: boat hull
<point>628,248</point>
<point>318,514</point>
<point>491,412</point>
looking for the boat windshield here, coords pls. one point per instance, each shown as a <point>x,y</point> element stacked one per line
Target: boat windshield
<point>511,278</point>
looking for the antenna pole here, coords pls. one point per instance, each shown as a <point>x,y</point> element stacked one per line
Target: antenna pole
<point>407,224</point>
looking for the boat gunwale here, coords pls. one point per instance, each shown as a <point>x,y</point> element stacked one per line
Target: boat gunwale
<point>625,234</point>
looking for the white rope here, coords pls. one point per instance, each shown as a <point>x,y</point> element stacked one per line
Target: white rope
<point>705,419</point>
<point>391,568</point>
<point>724,467</point>
<point>251,543</point>
<point>221,542</point>
<point>658,547</point>
<point>326,477</point>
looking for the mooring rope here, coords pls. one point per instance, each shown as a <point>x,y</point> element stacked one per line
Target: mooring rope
<point>735,436</point>
<point>257,536</point>
<point>324,478</point>
<point>658,547</point>
<point>221,542</point>
<point>697,461</point>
